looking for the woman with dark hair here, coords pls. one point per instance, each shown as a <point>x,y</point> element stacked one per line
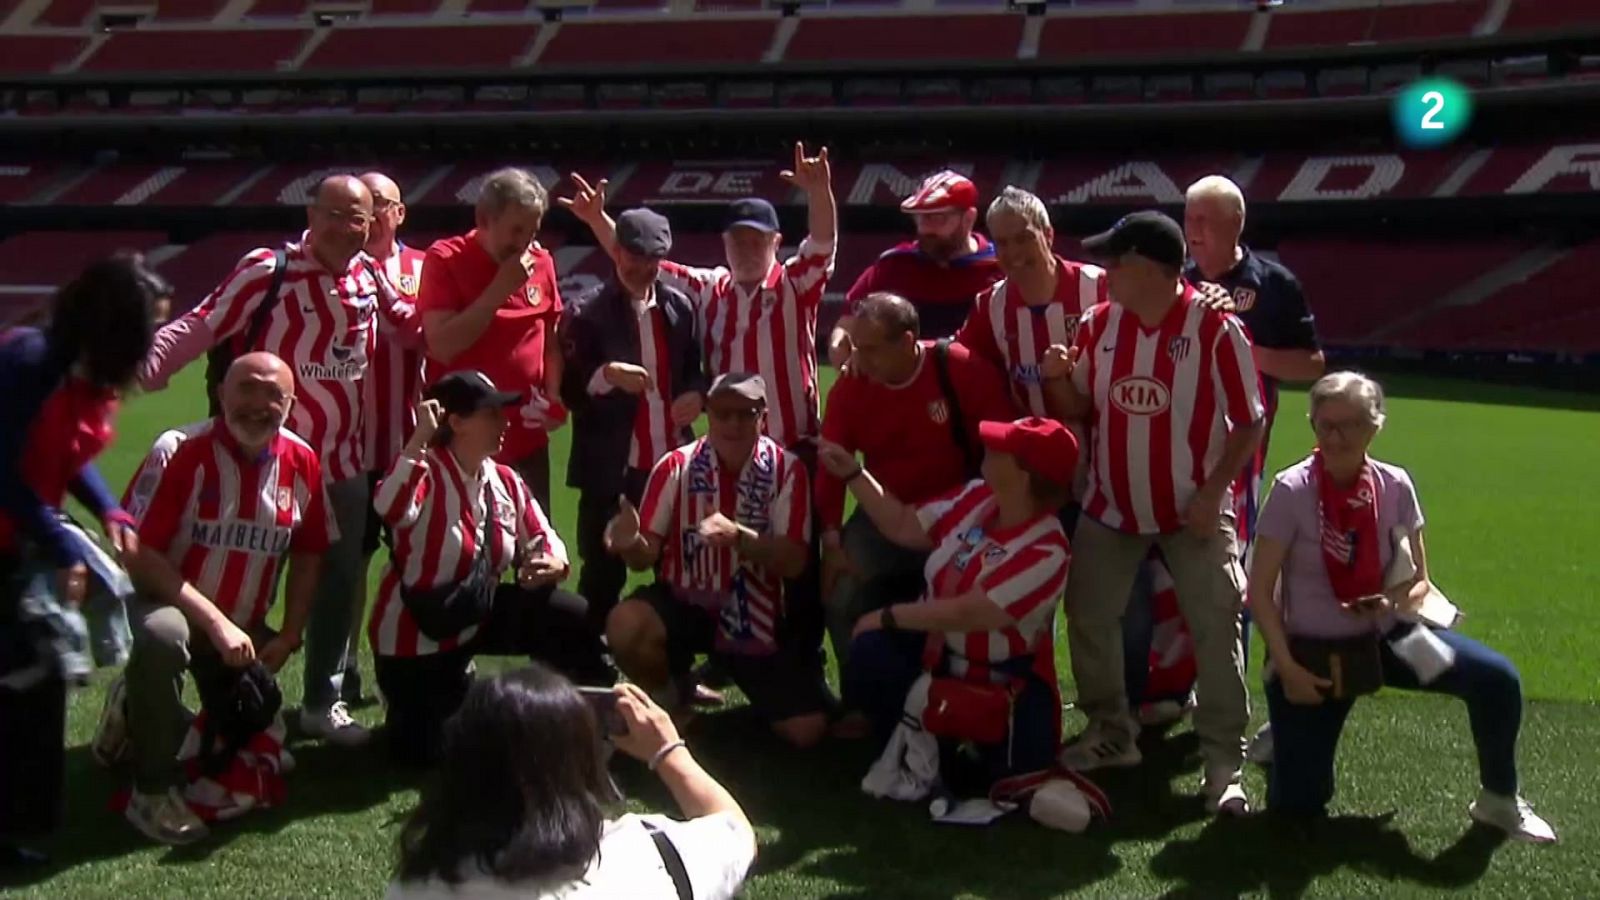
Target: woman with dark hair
<point>59,392</point>
<point>973,659</point>
<point>460,522</point>
<point>520,806</point>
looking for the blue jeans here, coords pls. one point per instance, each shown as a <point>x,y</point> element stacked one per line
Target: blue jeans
<point>884,665</point>
<point>1305,738</point>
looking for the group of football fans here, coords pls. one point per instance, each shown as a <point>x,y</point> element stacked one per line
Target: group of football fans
<point>994,400</point>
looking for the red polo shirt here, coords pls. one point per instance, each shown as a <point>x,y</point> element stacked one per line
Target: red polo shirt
<point>511,350</point>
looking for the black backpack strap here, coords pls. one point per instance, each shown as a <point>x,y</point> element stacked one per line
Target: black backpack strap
<point>958,422</point>
<point>258,321</point>
<point>673,862</point>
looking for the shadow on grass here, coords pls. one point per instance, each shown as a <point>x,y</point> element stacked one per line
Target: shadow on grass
<point>327,781</point>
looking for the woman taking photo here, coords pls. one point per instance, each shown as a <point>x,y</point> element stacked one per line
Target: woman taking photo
<point>1337,626</point>
<point>460,520</point>
<point>59,393</point>
<point>994,578</point>
<point>520,807</point>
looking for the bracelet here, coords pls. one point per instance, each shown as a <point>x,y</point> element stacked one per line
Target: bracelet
<point>860,471</point>
<point>664,752</point>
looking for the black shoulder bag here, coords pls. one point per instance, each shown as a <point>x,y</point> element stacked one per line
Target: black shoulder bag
<point>673,861</point>
<point>221,356</point>
<point>958,422</point>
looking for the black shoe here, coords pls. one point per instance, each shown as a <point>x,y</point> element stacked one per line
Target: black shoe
<point>350,691</point>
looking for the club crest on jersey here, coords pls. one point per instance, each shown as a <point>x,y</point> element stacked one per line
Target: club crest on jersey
<point>534,295</point>
<point>1140,395</point>
<point>285,499</point>
<point>408,284</point>
<point>1178,348</point>
<point>939,412</point>
<point>1244,298</point>
<point>768,298</point>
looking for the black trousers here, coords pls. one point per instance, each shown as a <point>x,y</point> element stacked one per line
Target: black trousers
<point>547,625</point>
<point>603,575</point>
<point>805,621</point>
<point>33,736</point>
<point>535,471</point>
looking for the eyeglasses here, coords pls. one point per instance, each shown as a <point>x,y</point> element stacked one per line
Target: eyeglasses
<point>343,215</point>
<point>1344,428</point>
<point>383,204</point>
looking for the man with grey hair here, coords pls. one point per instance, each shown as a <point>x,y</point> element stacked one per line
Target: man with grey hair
<point>489,303</point>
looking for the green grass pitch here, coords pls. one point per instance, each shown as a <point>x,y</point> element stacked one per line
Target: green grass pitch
<point>1507,483</point>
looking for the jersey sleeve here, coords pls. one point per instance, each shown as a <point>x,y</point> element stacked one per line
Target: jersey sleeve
<point>317,530</point>
<point>1234,369</point>
<point>791,508</point>
<point>400,320</point>
<point>142,487</point>
<point>1277,519</point>
<point>977,333</point>
<point>175,484</point>
<point>403,492</point>
<point>1282,320</point>
<point>531,520</point>
<point>550,285</point>
<point>808,271</point>
<point>698,283</point>
<point>227,310</point>
<point>659,506</point>
<point>865,283</point>
<point>941,514</point>
<point>436,290</point>
<point>1028,582</point>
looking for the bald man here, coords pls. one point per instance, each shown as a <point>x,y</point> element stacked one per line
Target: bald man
<point>391,387</point>
<point>314,305</point>
<point>225,501</point>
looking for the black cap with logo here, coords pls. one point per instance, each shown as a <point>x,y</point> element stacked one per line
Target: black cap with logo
<point>1152,235</point>
<point>464,393</point>
<point>751,212</point>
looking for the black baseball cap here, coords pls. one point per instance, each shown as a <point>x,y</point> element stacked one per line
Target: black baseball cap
<point>464,393</point>
<point>645,232</point>
<point>739,384</point>
<point>751,212</point>
<point>1152,235</point>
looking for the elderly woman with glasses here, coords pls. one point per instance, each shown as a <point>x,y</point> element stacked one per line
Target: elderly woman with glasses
<point>1341,616</point>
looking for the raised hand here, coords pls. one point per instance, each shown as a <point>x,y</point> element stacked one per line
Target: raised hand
<point>1214,296</point>
<point>1059,361</point>
<point>810,174</point>
<point>622,531</point>
<point>587,202</point>
<point>839,462</point>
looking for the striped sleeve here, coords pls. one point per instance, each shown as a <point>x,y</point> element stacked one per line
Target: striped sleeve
<point>142,487</point>
<point>1236,376</point>
<point>169,501</point>
<point>531,520</point>
<point>1027,580</point>
<point>403,492</point>
<point>660,502</point>
<point>977,333</point>
<point>228,308</point>
<point>318,529</point>
<point>698,283</point>
<point>808,271</point>
<point>791,509</point>
<point>942,514</point>
<point>401,321</point>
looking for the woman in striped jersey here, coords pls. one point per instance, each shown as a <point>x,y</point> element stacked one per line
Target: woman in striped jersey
<point>460,520</point>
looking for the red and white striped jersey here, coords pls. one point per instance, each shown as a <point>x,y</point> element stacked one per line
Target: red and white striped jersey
<point>770,495</point>
<point>771,331</point>
<point>322,326</point>
<point>1164,400</point>
<point>1014,336</point>
<point>652,422</point>
<point>393,382</point>
<point>1022,570</point>
<point>226,521</point>
<point>436,510</point>
<point>142,486</point>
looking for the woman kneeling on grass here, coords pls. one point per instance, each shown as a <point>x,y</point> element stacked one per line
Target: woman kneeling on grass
<point>1341,618</point>
<point>982,631</point>
<point>519,808</point>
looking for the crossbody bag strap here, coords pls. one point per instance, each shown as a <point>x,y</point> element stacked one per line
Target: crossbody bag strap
<point>958,422</point>
<point>672,860</point>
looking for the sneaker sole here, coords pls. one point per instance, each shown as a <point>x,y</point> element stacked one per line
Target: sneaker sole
<point>155,834</point>
<point>1514,834</point>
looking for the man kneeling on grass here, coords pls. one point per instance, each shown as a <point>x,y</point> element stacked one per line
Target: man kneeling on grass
<point>239,494</point>
<point>724,522</point>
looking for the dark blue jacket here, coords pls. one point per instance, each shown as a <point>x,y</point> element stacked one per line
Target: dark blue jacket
<point>30,370</point>
<point>599,329</point>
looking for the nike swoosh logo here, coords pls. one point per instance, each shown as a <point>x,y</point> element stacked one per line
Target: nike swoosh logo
<point>1108,348</point>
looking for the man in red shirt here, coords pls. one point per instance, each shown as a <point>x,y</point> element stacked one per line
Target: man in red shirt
<point>236,499</point>
<point>489,304</point>
<point>914,418</point>
<point>1170,390</point>
<point>942,272</point>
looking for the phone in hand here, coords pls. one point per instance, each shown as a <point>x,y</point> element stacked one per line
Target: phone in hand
<point>1364,604</point>
<point>604,703</point>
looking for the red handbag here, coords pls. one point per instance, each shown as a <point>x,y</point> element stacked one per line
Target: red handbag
<point>968,711</point>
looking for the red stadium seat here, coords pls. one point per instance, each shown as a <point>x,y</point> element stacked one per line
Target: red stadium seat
<point>610,44</point>
<point>1551,15</point>
<point>956,37</point>
<point>279,9</point>
<point>440,47</point>
<point>1516,317</point>
<point>66,13</point>
<point>253,50</point>
<point>404,7</point>
<point>1376,22</point>
<point>33,264</point>
<point>496,6</point>
<point>39,54</point>
<point>1078,37</point>
<point>188,10</point>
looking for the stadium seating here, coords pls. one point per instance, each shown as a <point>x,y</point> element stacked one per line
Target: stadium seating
<point>597,44</point>
<point>377,48</point>
<point>245,50</point>
<point>188,10</point>
<point>1551,15</point>
<point>37,53</point>
<point>1290,28</point>
<point>1077,37</point>
<point>956,38</point>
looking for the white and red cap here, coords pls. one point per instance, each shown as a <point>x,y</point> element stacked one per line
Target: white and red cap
<point>942,191</point>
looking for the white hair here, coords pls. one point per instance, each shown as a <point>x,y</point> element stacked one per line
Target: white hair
<point>508,187</point>
<point>1020,203</point>
<point>1354,388</point>
<point>1218,187</point>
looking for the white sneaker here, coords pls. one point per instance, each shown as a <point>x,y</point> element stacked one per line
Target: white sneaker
<point>1260,751</point>
<point>335,726</point>
<point>1224,794</point>
<point>110,745</point>
<point>1094,749</point>
<point>165,818</point>
<point>1512,815</point>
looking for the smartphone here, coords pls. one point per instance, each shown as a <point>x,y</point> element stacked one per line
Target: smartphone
<point>604,703</point>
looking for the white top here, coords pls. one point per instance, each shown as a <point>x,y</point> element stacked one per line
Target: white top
<point>717,851</point>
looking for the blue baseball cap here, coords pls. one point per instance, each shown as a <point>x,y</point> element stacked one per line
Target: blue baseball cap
<point>751,212</point>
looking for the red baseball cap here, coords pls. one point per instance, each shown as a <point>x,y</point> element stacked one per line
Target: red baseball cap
<point>1043,446</point>
<point>945,190</point>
